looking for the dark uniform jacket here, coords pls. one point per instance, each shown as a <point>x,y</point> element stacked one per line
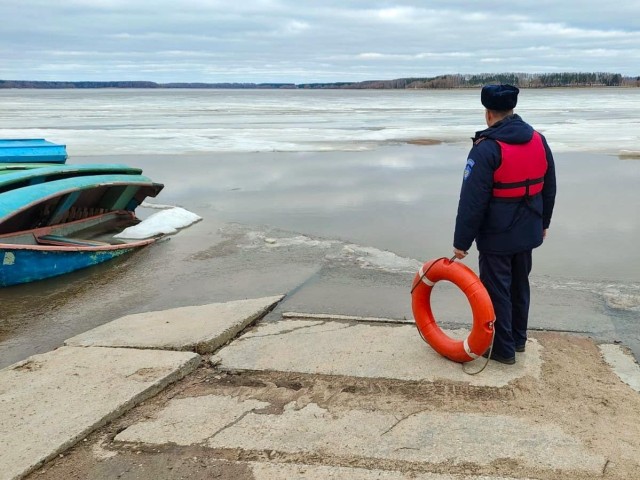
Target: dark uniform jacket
<point>498,226</point>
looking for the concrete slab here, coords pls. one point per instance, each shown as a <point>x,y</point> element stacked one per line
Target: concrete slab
<point>623,365</point>
<point>190,420</point>
<point>424,437</point>
<point>51,401</point>
<point>343,318</point>
<point>362,350</point>
<point>202,328</point>
<point>278,471</point>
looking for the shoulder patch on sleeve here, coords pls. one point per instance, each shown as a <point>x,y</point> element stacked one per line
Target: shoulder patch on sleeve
<point>468,167</point>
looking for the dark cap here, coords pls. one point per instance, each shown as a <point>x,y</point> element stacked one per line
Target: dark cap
<point>499,97</point>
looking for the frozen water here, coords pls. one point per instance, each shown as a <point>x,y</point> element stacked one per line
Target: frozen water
<point>112,122</point>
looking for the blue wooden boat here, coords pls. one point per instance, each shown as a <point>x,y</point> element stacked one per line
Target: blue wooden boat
<point>74,198</point>
<point>31,150</point>
<point>57,218</point>
<point>55,250</point>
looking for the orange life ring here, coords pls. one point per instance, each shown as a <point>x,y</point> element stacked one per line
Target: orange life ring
<point>481,334</point>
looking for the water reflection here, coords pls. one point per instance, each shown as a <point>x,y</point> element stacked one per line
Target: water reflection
<point>399,199</point>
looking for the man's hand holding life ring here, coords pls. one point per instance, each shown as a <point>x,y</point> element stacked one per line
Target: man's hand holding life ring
<point>459,254</point>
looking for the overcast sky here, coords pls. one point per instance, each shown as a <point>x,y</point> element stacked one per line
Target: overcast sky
<point>312,41</point>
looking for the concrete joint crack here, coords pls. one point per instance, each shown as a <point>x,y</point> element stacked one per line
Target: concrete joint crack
<point>402,420</point>
<point>284,332</point>
<point>234,422</point>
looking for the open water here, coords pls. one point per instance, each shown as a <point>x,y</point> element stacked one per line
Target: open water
<point>320,193</point>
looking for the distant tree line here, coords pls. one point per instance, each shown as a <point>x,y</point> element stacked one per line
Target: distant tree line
<point>525,80</point>
<point>136,84</point>
<point>226,85</point>
<point>39,84</point>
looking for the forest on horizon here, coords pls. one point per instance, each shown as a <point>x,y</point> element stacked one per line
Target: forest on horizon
<point>450,81</point>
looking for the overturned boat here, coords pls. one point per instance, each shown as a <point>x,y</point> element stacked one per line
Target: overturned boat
<point>30,151</point>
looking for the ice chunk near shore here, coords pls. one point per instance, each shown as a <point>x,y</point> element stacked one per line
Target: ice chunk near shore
<point>166,222</point>
<point>619,300</point>
<point>157,206</point>
<point>374,258</point>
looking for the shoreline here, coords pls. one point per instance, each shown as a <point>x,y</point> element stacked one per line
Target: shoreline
<point>349,226</point>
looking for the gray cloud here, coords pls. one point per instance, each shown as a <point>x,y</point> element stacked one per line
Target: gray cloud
<point>286,40</point>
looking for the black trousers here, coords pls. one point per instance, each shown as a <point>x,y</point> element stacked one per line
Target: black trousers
<point>506,278</point>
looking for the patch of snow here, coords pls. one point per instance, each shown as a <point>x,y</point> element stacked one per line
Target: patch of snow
<point>163,222</point>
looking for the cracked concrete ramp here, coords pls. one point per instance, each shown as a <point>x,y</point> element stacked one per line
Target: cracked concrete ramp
<point>279,471</point>
<point>362,350</point>
<point>190,420</point>
<point>425,437</point>
<point>51,401</point>
<point>202,328</point>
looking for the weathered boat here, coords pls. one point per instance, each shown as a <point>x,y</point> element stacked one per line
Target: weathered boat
<point>60,225</point>
<point>50,251</point>
<point>74,198</point>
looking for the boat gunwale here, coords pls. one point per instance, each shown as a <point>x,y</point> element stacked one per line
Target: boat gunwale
<point>118,180</point>
<point>24,174</point>
<point>73,248</point>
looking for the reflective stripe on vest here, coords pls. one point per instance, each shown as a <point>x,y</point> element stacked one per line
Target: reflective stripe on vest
<point>521,173</point>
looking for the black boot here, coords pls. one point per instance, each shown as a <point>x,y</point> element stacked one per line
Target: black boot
<point>498,358</point>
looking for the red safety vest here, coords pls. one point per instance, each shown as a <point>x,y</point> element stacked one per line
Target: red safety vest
<point>521,173</point>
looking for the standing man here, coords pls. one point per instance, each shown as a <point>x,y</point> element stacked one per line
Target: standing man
<point>506,202</point>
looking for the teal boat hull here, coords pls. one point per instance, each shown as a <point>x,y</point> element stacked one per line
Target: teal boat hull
<point>46,252</point>
<point>24,266</point>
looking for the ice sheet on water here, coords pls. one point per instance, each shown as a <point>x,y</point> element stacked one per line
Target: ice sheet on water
<point>260,239</point>
<point>620,300</point>
<point>333,251</point>
<point>313,120</point>
<point>166,221</point>
<point>616,296</point>
<point>374,258</point>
